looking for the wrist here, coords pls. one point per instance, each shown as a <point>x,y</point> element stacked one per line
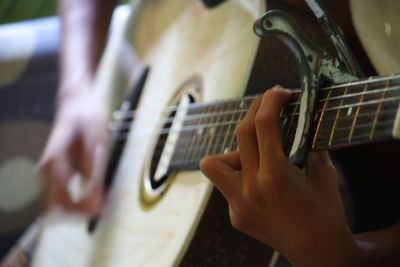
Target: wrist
<point>72,89</point>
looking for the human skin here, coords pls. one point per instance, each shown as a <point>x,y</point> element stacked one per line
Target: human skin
<point>297,212</point>
<point>77,144</point>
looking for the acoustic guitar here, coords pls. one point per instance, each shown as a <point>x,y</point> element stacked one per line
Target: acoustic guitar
<point>199,63</point>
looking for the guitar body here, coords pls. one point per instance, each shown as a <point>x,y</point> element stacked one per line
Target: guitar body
<point>208,53</point>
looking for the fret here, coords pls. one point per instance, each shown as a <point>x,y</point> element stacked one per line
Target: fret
<point>320,116</point>
<point>392,89</point>
<point>336,118</point>
<point>358,139</point>
<point>340,107</point>
<point>378,110</point>
<point>360,112</point>
<point>292,122</point>
<point>360,127</point>
<point>356,116</point>
<point>344,116</point>
<point>375,102</point>
<point>227,133</point>
<point>180,150</point>
<point>202,133</point>
<point>221,132</point>
<point>212,131</point>
<point>198,132</point>
<point>347,114</point>
<point>243,106</point>
<point>183,146</point>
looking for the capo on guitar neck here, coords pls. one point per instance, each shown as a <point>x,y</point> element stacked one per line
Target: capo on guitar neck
<point>316,66</point>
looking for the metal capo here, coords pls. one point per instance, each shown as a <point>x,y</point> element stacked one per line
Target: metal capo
<point>316,66</point>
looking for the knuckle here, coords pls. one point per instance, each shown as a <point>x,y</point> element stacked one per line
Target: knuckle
<point>207,163</point>
<point>252,194</point>
<point>244,128</point>
<point>264,117</point>
<point>272,93</point>
<point>271,179</point>
<point>261,118</point>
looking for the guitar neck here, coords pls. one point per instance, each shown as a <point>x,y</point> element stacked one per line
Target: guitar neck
<point>346,114</point>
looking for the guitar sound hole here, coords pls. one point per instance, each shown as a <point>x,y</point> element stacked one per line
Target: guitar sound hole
<point>157,182</point>
<point>157,155</point>
<point>161,165</point>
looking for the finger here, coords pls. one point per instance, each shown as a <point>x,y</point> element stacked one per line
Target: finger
<point>247,139</point>
<point>321,171</point>
<point>58,180</point>
<point>267,123</point>
<point>92,202</point>
<point>222,171</point>
<point>58,172</point>
<point>93,145</point>
<point>60,138</point>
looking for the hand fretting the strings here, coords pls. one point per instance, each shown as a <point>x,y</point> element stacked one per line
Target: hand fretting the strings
<point>355,112</point>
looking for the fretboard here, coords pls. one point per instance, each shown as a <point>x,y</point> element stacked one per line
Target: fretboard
<point>346,114</point>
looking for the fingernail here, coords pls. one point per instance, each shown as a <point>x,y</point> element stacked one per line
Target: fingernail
<point>277,87</point>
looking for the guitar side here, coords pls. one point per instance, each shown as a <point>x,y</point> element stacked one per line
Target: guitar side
<point>181,42</point>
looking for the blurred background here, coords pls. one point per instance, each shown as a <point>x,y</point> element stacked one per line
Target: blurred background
<point>28,81</point>
<point>17,10</point>
<point>29,40</point>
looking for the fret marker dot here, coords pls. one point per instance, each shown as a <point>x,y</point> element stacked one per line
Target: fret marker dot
<point>349,111</point>
<point>212,131</point>
<point>241,104</point>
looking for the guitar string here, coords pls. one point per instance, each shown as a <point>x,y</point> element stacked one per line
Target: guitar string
<point>200,148</point>
<point>359,138</point>
<point>118,125</point>
<point>205,127</point>
<point>387,122</point>
<point>183,162</point>
<point>343,131</point>
<point>378,110</point>
<point>169,109</point>
<point>219,148</point>
<point>353,95</point>
<point>166,130</point>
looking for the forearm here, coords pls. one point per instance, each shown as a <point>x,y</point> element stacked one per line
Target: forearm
<point>84,28</point>
<point>380,248</point>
